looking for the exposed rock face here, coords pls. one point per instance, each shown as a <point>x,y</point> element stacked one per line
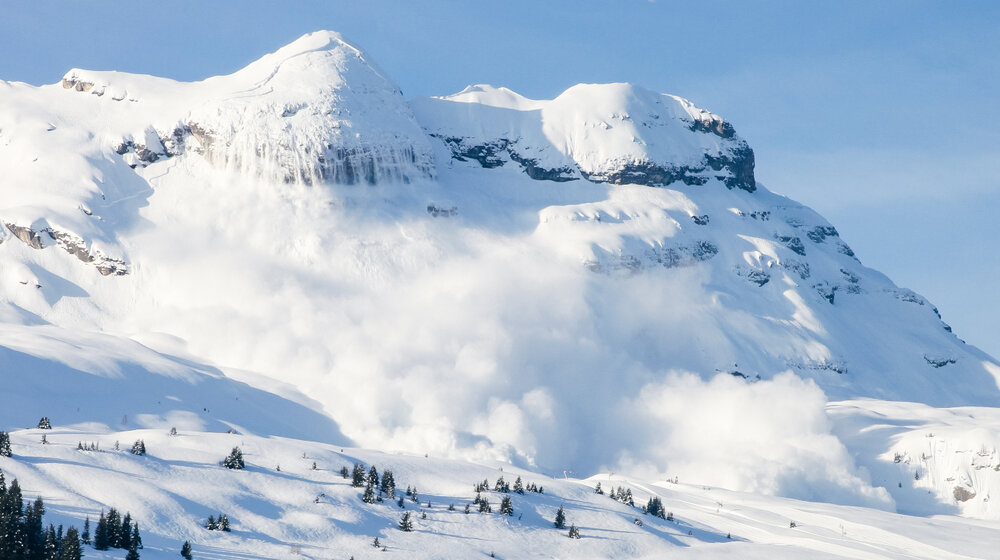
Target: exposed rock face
<point>26,235</point>
<point>72,244</point>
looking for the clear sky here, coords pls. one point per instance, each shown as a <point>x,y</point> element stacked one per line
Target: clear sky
<point>883,116</point>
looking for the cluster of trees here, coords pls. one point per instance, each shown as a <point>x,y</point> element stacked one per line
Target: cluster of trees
<point>376,488</point>
<point>116,531</point>
<point>218,524</point>
<point>23,534</point>
<point>505,487</point>
<point>653,507</point>
<point>623,495</point>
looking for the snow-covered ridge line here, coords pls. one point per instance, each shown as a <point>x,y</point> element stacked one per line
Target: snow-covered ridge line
<point>608,133</point>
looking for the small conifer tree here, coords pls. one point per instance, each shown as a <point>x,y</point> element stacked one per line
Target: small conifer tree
<point>139,447</point>
<point>186,551</point>
<point>69,547</point>
<point>234,460</point>
<point>405,523</point>
<point>44,423</point>
<point>560,522</point>
<point>388,485</point>
<point>506,506</point>
<point>5,450</point>
<point>368,496</point>
<point>519,486</point>
<point>358,476</point>
<point>574,533</point>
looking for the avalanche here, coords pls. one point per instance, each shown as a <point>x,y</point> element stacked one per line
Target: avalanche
<point>590,284</point>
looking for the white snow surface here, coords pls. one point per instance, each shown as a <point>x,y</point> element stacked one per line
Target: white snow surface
<point>304,512</point>
<point>295,250</point>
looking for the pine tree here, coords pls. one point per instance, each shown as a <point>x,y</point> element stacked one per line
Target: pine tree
<point>560,522</point>
<point>139,447</point>
<point>44,423</point>
<point>70,547</point>
<point>11,529</point>
<point>343,472</point>
<point>125,538</point>
<point>50,549</point>
<point>234,460</point>
<point>34,531</point>
<point>376,544</point>
<point>101,540</point>
<point>137,540</point>
<point>388,484</point>
<point>211,524</point>
<point>401,503</point>
<point>597,489</point>
<point>133,554</point>
<point>499,486</point>
<point>414,496</point>
<point>484,506</point>
<point>358,476</point>
<point>186,551</point>
<point>86,531</point>
<point>574,533</point>
<point>506,506</point>
<point>405,524</point>
<point>372,479</point>
<point>519,486</point>
<point>466,509</point>
<point>5,450</point>
<point>369,495</point>
<point>224,523</point>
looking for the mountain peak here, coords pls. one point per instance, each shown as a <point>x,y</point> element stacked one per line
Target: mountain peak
<point>616,133</point>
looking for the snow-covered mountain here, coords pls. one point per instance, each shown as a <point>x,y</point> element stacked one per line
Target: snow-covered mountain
<point>592,283</point>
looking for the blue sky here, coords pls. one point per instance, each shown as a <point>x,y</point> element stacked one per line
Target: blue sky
<point>883,116</point>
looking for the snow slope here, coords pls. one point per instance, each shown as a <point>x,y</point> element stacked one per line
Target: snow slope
<point>591,283</point>
<point>299,511</point>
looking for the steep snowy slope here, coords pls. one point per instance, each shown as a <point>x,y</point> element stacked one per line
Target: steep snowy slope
<point>591,282</point>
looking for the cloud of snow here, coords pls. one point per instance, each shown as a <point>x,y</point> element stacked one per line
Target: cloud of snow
<point>770,437</point>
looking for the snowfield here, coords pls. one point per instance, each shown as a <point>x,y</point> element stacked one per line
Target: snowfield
<point>299,511</point>
<point>561,289</point>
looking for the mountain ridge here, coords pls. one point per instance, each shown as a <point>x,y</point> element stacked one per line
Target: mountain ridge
<point>496,277</point>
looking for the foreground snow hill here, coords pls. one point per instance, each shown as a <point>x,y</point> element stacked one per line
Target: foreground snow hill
<point>593,283</point>
<point>291,501</point>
